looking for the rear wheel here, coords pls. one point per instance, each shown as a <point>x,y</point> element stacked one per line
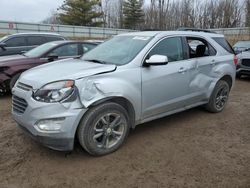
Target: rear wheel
<point>103,129</point>
<point>13,80</point>
<point>219,97</point>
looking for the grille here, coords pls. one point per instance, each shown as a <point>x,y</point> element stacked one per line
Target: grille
<point>23,86</point>
<point>19,105</point>
<point>246,62</point>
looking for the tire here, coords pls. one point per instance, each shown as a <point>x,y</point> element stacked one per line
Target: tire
<point>13,80</point>
<point>219,97</point>
<point>96,133</point>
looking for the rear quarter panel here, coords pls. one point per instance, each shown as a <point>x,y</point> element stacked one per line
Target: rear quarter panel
<point>224,67</point>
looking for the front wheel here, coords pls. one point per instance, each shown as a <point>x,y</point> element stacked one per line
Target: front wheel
<point>219,97</point>
<point>103,129</point>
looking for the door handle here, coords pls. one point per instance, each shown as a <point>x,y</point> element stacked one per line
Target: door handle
<point>213,62</point>
<point>182,70</point>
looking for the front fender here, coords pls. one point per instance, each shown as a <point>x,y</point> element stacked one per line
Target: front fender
<point>99,88</point>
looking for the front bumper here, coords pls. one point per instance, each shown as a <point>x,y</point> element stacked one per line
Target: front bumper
<point>60,144</point>
<point>243,71</point>
<point>63,139</point>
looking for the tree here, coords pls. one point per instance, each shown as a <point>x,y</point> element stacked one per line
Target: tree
<point>81,12</point>
<point>247,13</point>
<point>52,18</point>
<point>133,14</point>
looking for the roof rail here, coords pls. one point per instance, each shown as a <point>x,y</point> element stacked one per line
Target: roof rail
<point>194,29</point>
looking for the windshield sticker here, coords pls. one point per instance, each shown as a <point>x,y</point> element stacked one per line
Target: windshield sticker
<point>141,38</point>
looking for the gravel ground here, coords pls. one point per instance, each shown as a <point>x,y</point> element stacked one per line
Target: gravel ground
<point>190,149</point>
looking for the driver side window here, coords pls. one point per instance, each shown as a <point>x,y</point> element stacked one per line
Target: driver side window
<point>170,47</point>
<point>65,50</point>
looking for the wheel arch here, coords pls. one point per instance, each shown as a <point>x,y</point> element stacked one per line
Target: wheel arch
<point>125,103</point>
<point>228,79</point>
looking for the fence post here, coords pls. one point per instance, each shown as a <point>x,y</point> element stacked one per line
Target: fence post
<point>16,27</point>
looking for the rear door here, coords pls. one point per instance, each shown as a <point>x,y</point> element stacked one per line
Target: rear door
<point>204,55</point>
<point>34,41</point>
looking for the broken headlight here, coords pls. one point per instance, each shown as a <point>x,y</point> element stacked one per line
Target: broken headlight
<point>55,92</point>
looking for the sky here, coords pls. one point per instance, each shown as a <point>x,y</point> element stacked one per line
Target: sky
<point>27,10</point>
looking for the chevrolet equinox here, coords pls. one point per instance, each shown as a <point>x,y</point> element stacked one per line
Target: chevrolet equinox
<point>130,79</point>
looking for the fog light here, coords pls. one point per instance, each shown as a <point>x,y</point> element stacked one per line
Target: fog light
<point>50,124</point>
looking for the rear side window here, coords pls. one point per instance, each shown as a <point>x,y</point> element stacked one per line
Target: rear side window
<point>35,40</point>
<point>223,43</point>
<point>15,42</point>
<point>199,47</point>
<point>50,39</point>
<point>66,50</point>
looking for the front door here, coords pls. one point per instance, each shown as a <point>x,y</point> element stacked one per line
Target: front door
<point>165,87</point>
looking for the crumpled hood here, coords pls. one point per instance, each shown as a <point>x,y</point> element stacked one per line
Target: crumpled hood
<point>62,70</point>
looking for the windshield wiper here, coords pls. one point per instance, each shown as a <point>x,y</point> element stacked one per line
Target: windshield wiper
<point>96,61</point>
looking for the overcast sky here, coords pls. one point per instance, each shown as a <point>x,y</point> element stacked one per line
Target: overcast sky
<point>27,10</point>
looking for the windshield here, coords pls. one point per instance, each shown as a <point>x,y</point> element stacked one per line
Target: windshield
<point>40,50</point>
<point>119,50</point>
<point>242,44</point>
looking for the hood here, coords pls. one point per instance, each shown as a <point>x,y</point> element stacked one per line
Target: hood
<point>72,69</point>
<point>13,60</point>
<point>11,57</point>
<point>244,55</point>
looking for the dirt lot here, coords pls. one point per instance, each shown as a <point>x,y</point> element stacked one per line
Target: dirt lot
<point>189,149</point>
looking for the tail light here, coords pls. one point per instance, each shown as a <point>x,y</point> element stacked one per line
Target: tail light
<point>235,60</point>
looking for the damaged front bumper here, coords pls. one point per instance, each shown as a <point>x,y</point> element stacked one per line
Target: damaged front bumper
<point>52,124</point>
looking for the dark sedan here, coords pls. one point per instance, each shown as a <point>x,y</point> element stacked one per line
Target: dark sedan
<point>11,67</point>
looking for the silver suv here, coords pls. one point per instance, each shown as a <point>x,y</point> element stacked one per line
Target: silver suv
<point>131,79</point>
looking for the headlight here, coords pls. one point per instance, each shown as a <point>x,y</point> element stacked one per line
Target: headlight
<point>55,92</point>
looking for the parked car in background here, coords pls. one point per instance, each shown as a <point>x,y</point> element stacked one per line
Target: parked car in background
<point>11,67</point>
<point>131,79</point>
<point>241,46</point>
<point>23,42</point>
<point>243,66</point>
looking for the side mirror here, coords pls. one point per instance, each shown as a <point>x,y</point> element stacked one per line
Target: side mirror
<point>23,52</point>
<point>52,57</point>
<point>3,46</point>
<point>157,60</point>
